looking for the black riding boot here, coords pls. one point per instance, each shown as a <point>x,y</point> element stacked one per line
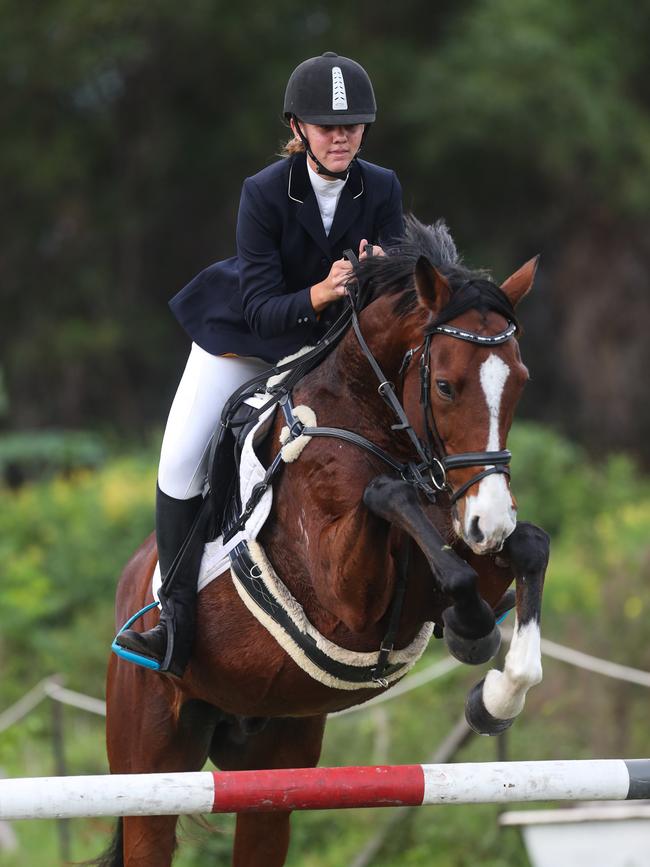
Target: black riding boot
<point>170,642</point>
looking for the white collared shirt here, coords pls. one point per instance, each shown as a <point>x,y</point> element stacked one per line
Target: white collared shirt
<point>327,193</point>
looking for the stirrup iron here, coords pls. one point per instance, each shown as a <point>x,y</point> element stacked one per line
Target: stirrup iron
<point>130,655</point>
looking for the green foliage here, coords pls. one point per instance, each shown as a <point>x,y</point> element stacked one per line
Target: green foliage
<point>597,517</point>
<point>550,95</point>
<point>62,545</point>
<point>558,487</point>
<point>550,477</point>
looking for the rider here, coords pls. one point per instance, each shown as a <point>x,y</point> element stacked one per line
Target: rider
<point>296,217</point>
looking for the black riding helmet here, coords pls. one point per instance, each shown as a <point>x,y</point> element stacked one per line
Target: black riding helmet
<point>329,90</point>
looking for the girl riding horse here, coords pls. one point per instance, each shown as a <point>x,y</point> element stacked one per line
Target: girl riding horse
<point>280,292</point>
<point>396,521</point>
<point>358,520</point>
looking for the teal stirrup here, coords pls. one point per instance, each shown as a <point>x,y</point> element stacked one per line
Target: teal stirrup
<point>130,655</point>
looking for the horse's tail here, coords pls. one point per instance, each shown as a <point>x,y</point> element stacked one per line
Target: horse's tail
<point>114,855</point>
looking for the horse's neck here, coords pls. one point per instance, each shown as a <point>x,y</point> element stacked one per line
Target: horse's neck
<point>387,335</point>
<point>333,554</point>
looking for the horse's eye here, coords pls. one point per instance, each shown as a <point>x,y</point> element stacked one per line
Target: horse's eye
<point>444,389</point>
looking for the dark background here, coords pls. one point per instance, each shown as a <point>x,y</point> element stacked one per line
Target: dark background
<point>127,129</point>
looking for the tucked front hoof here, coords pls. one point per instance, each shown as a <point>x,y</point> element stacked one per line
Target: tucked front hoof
<point>479,718</point>
<point>471,651</point>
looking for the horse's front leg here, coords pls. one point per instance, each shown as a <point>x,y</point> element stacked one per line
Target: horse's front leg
<point>470,630</point>
<point>493,704</point>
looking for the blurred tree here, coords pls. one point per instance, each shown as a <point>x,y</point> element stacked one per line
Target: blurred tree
<point>540,123</point>
<point>128,128</point>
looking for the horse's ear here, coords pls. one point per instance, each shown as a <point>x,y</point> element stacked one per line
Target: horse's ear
<point>431,287</point>
<point>520,283</point>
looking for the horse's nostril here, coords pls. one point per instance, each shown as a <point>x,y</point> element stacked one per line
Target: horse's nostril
<point>475,531</point>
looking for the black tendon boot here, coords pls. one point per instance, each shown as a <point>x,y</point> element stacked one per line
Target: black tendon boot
<point>180,536</point>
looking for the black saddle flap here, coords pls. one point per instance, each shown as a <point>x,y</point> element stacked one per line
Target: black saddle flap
<point>223,472</point>
<point>243,422</point>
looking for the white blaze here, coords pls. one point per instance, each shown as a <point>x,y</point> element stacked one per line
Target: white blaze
<point>339,96</point>
<point>493,375</point>
<point>491,503</point>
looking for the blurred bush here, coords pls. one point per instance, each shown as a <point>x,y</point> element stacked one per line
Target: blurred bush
<point>33,455</point>
<point>559,486</point>
<point>63,544</point>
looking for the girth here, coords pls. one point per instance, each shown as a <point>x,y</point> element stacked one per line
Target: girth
<point>247,571</point>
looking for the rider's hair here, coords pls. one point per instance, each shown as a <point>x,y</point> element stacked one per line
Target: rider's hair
<point>293,146</point>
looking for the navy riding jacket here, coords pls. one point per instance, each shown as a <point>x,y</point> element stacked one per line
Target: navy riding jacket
<point>257,303</point>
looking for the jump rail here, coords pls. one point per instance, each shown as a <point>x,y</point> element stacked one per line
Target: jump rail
<point>323,788</point>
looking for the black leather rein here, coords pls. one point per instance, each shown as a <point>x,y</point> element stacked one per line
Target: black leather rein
<point>429,472</point>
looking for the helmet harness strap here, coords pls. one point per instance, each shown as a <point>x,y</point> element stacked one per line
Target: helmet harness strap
<point>320,168</point>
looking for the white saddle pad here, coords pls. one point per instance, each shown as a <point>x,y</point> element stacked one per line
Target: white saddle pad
<point>215,557</point>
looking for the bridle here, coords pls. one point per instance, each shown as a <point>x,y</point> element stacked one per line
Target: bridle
<point>441,462</point>
<point>429,472</point>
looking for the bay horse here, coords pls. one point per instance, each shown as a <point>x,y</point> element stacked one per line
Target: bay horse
<point>442,340</point>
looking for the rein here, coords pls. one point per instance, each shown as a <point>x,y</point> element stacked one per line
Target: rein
<point>429,472</point>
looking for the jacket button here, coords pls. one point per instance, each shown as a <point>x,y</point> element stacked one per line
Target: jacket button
<point>323,261</point>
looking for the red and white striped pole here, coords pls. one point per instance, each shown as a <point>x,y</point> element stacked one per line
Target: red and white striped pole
<point>323,788</point>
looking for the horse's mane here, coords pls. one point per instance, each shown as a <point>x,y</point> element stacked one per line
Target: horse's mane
<point>393,274</point>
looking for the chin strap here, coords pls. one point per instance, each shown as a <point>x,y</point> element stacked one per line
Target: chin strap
<point>320,168</point>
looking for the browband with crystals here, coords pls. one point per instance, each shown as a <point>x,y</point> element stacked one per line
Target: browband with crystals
<point>470,336</point>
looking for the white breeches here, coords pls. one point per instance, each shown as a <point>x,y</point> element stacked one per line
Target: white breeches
<point>206,384</point>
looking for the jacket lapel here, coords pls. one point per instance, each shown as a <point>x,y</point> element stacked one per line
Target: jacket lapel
<point>349,206</point>
<point>302,193</point>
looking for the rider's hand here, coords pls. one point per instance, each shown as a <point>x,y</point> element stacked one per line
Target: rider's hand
<point>332,287</point>
<point>375,250</point>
